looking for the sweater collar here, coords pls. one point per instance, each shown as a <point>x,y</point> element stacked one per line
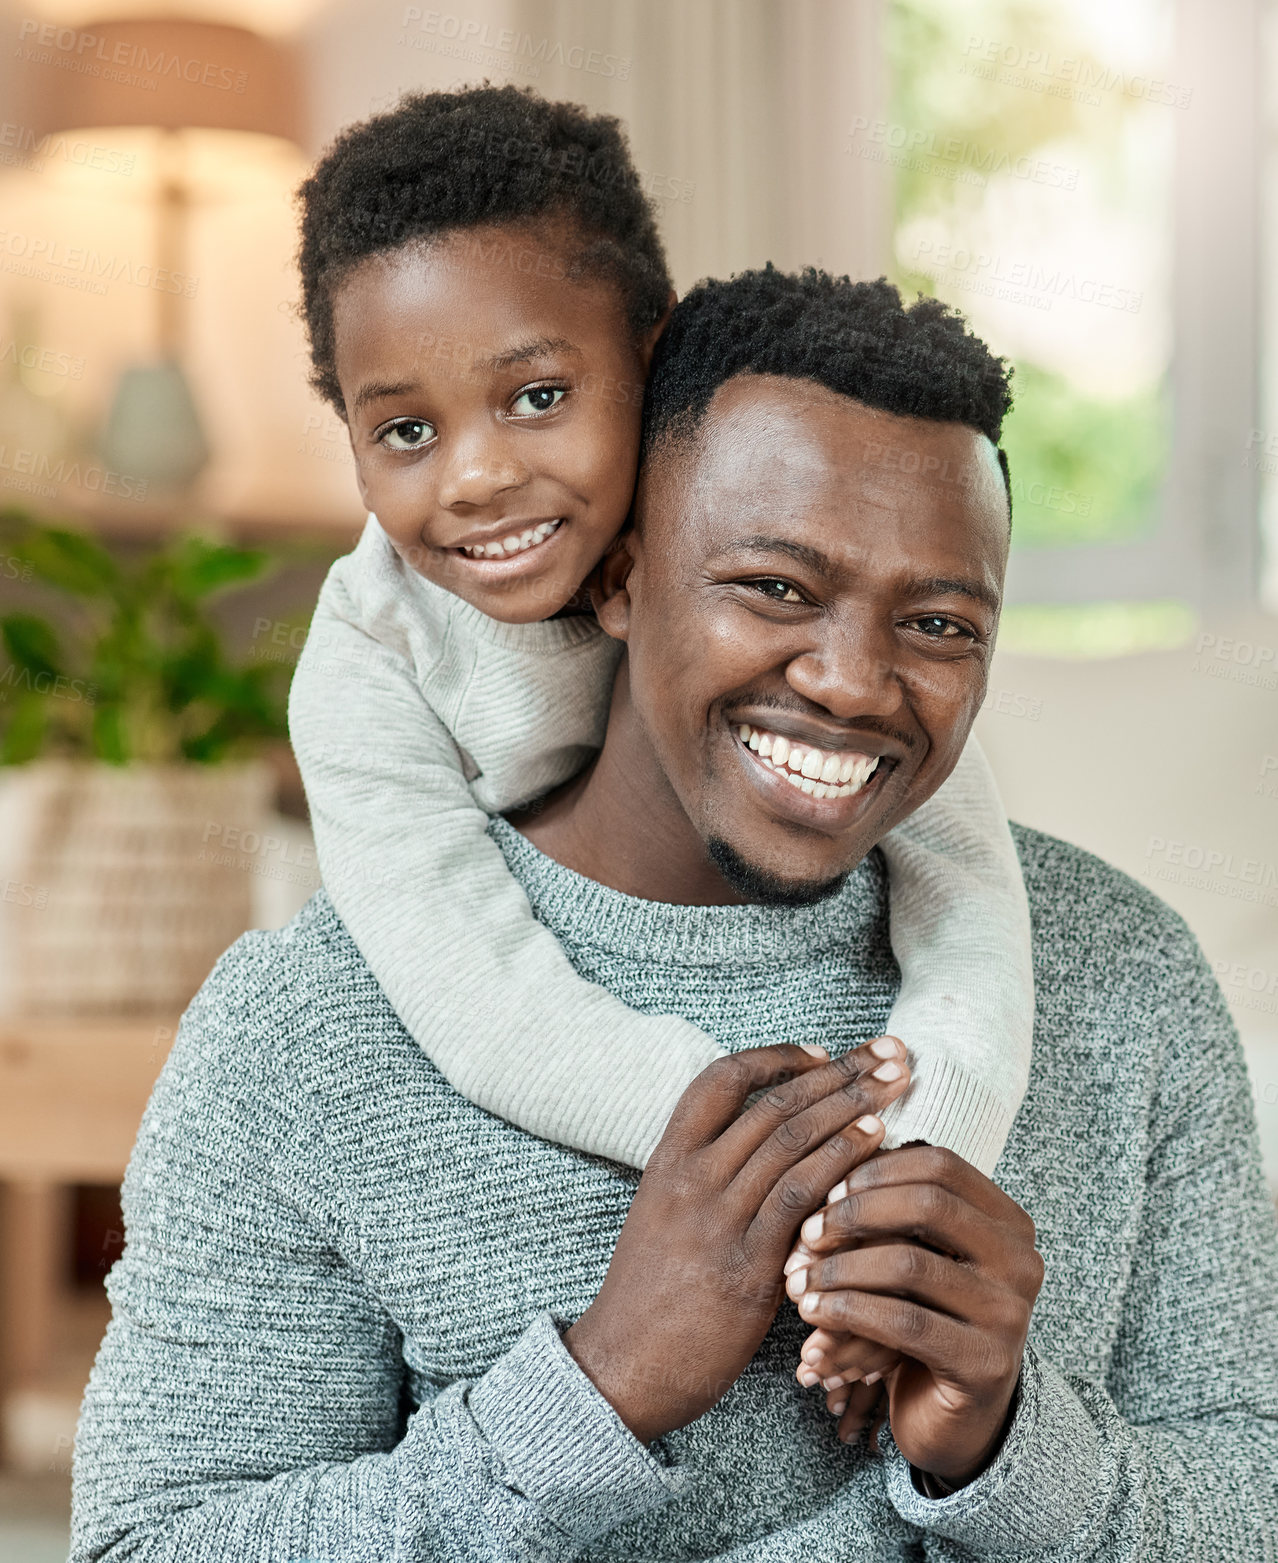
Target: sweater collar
<point>582,912</point>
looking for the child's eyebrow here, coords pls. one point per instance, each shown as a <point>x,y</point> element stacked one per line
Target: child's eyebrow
<point>536,349</point>
<point>375,390</point>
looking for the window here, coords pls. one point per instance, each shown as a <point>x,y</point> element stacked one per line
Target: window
<point>1084,197</point>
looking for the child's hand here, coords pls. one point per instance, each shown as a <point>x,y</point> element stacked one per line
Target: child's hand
<point>840,1362</point>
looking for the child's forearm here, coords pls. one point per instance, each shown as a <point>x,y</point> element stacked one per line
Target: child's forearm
<point>961,935</point>
<point>485,989</point>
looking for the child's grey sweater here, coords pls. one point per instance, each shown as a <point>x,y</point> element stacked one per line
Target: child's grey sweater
<point>335,1330</point>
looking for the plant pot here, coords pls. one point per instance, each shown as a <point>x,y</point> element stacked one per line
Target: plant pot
<point>126,895</point>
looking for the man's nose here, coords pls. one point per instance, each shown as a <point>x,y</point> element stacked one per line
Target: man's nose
<point>476,469</point>
<point>850,669</point>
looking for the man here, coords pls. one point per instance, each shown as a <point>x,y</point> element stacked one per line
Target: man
<point>357,1317</point>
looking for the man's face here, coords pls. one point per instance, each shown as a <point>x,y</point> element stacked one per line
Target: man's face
<point>807,574</point>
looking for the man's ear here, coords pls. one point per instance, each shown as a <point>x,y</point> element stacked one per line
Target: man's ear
<point>610,585</point>
<point>650,338</point>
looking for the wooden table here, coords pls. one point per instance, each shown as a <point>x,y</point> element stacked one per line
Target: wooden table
<point>72,1094</point>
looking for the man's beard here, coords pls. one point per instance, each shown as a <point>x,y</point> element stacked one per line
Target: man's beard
<point>757,884</point>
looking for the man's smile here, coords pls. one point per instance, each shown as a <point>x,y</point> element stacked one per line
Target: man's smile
<point>810,783</point>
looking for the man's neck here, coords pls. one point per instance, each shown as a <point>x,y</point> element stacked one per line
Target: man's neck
<point>620,823</point>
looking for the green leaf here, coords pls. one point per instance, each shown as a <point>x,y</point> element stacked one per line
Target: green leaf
<point>23,730</point>
<point>109,741</point>
<point>31,643</point>
<point>200,567</point>
<point>71,561</point>
<point>137,634</point>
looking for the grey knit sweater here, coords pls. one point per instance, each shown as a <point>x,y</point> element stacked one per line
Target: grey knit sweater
<point>336,1318</point>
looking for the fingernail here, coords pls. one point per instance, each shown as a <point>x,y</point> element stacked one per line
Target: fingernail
<point>840,1189</point>
<point>807,1377</point>
<point>887,1072</point>
<point>832,1382</point>
<point>809,1301</point>
<point>813,1227</point>
<point>885,1047</point>
<point>811,1354</point>
<point>793,1263</point>
<point>797,1284</point>
<point>815,1049</point>
<point>871,1378</point>
<point>839,1407</point>
<point>868,1124</point>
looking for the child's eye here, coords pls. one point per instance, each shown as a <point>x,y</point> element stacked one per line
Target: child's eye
<point>538,399</point>
<point>408,434</point>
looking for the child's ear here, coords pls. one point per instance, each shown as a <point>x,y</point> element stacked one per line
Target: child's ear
<point>609,585</point>
<point>653,335</point>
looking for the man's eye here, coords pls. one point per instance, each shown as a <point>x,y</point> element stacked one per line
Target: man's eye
<point>778,590</point>
<point>408,434</point>
<point>939,627</point>
<point>541,398</point>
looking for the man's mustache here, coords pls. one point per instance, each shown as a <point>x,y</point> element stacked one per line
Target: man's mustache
<point>808,711</point>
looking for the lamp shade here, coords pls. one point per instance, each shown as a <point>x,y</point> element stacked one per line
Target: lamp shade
<point>173,74</point>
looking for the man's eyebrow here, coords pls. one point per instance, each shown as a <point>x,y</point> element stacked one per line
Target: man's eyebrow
<point>539,348</point>
<point>804,553</point>
<point>374,390</point>
<point>954,586</point>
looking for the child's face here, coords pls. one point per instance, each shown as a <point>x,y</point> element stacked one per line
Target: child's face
<point>491,402</point>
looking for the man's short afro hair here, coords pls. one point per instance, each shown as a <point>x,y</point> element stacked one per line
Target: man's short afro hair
<point>856,338</point>
<point>443,161</point>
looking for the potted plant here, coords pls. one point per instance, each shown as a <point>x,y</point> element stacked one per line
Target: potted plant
<point>140,747</point>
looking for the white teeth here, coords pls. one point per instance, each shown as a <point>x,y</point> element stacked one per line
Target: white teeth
<point>813,771</point>
<point>514,544</point>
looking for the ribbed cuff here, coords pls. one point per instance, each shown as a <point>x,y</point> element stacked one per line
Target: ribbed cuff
<point>1039,1487</point>
<point>945,1105</point>
<point>563,1444</point>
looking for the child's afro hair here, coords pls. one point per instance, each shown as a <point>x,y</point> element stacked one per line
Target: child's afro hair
<point>856,338</point>
<point>443,161</point>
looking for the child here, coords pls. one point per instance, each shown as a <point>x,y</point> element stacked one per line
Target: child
<point>483,286</point>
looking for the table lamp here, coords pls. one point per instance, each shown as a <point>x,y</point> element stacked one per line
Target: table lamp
<point>179,78</point>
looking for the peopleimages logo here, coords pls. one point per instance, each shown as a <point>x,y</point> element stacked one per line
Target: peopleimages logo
<point>47,260</point>
<point>22,466</point>
<point>882,141</point>
<point>27,355</point>
<point>130,64</point>
<point>466,33</point>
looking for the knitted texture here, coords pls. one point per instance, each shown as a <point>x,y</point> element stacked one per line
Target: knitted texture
<point>336,1318</point>
<point>413,715</point>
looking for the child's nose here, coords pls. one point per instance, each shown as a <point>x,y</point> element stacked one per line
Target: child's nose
<point>477,473</point>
